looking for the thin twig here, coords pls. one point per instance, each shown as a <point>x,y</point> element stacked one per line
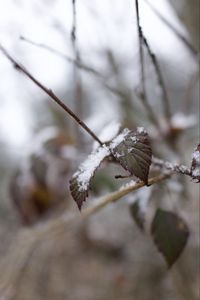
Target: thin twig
<point>192,49</point>
<point>176,168</point>
<point>76,75</point>
<point>144,97</point>
<point>50,93</point>
<point>166,103</point>
<point>79,64</point>
<point>58,224</point>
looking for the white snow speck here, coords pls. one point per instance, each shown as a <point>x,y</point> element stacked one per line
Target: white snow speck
<point>128,185</point>
<point>196,156</point>
<point>141,130</point>
<point>134,139</point>
<point>179,120</point>
<point>196,172</point>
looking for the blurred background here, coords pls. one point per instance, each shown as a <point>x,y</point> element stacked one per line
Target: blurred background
<point>90,59</point>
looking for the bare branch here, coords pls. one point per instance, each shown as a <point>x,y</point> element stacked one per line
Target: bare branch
<point>165,99</point>
<point>176,168</point>
<point>79,64</point>
<point>50,93</point>
<point>144,97</point>
<point>192,49</point>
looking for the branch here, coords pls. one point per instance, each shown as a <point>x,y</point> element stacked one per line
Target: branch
<point>166,103</point>
<point>176,168</point>
<point>50,93</point>
<point>192,49</point>
<point>78,91</point>
<point>144,97</point>
<point>78,64</point>
<point>29,238</point>
<point>53,226</point>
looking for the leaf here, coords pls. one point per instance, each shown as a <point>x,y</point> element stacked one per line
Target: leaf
<point>80,182</point>
<point>133,151</point>
<point>170,234</point>
<point>137,215</point>
<point>195,165</point>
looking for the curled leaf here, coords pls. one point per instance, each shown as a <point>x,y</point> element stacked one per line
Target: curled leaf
<point>80,182</point>
<point>133,151</point>
<point>170,234</point>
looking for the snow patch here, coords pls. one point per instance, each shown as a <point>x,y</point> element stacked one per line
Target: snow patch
<point>88,167</point>
<point>119,138</point>
<point>140,130</point>
<point>180,120</point>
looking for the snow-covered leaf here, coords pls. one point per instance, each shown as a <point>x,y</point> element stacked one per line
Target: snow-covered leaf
<point>195,166</point>
<point>80,182</point>
<point>170,234</point>
<point>133,151</point>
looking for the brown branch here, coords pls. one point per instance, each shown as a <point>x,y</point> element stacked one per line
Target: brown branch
<point>78,91</point>
<point>166,103</point>
<point>176,168</point>
<point>144,97</point>
<point>50,93</point>
<point>192,49</point>
<point>79,64</point>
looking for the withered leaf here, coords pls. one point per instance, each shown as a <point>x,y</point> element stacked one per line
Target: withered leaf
<point>80,182</point>
<point>170,234</point>
<point>133,152</point>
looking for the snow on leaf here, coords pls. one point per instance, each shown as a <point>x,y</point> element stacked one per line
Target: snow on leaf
<point>170,234</point>
<point>80,182</point>
<point>133,151</point>
<point>195,166</point>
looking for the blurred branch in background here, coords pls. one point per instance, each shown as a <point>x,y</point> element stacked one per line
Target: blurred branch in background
<point>192,49</point>
<point>50,94</point>
<point>144,97</point>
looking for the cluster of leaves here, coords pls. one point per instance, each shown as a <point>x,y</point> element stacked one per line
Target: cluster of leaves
<point>169,231</point>
<point>131,149</point>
